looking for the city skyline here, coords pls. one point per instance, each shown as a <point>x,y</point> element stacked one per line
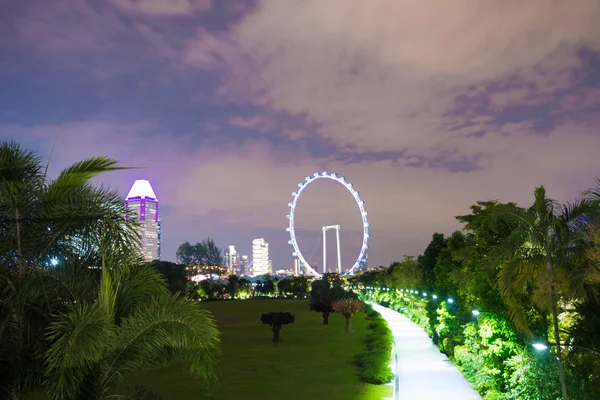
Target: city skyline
<point>227,107</point>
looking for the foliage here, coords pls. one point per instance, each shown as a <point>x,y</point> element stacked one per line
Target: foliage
<point>375,362</point>
<point>96,317</point>
<point>276,320</point>
<point>428,260</point>
<point>175,274</point>
<point>205,257</point>
<point>265,285</point>
<point>296,287</point>
<point>348,307</point>
<point>324,292</point>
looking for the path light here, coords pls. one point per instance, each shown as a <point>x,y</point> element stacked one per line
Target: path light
<point>540,346</point>
<point>54,262</point>
<point>424,294</point>
<point>450,300</point>
<point>434,297</point>
<point>475,313</point>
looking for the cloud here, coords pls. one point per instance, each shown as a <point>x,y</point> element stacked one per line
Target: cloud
<point>161,8</point>
<point>385,75</point>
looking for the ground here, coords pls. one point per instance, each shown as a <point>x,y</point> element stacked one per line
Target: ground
<point>314,361</point>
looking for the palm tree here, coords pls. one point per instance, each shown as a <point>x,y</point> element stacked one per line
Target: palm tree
<point>96,282</point>
<point>134,324</point>
<point>544,260</point>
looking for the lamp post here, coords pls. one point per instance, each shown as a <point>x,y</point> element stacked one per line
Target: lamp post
<point>544,346</point>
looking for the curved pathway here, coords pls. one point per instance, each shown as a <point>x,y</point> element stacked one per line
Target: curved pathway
<point>422,371</point>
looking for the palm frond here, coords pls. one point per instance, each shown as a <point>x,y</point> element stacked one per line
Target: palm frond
<point>136,287</point>
<point>79,340</point>
<point>166,328</point>
<point>81,172</point>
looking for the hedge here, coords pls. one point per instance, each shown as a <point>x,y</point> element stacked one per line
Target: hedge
<point>375,362</point>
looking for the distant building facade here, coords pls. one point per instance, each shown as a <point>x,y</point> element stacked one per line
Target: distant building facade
<point>261,264</point>
<point>232,261</point>
<point>142,204</point>
<point>244,265</point>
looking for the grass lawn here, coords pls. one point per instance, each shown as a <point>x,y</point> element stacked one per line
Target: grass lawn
<point>314,361</point>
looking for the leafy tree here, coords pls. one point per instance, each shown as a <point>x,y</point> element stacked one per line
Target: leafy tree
<point>205,256</point>
<point>428,260</point>
<point>544,257</point>
<point>348,307</point>
<point>296,286</point>
<point>276,320</point>
<point>324,292</point>
<point>175,275</point>
<point>404,274</point>
<point>186,254</point>
<point>233,285</point>
<point>266,285</point>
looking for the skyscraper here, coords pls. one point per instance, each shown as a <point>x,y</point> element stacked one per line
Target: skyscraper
<point>231,260</point>
<point>260,257</point>
<point>141,203</point>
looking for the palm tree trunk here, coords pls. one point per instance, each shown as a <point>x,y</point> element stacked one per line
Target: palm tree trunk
<point>561,368</point>
<point>347,327</point>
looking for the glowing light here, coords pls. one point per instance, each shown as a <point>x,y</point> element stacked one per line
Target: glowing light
<point>54,262</point>
<point>450,300</point>
<point>539,346</point>
<point>475,313</point>
<point>142,188</point>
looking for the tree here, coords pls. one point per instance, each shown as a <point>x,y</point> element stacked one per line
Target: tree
<point>427,261</point>
<point>404,274</point>
<point>186,254</point>
<point>66,321</point>
<point>205,256</point>
<point>233,285</point>
<point>323,293</point>
<point>542,260</point>
<point>348,307</point>
<point>65,219</point>
<point>276,320</point>
<point>134,324</point>
<point>175,275</point>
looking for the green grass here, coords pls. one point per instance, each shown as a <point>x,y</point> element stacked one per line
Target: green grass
<point>314,361</point>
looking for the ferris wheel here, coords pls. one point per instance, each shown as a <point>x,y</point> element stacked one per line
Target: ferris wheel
<point>361,206</point>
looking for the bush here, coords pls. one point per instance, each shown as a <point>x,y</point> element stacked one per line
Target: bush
<point>375,362</point>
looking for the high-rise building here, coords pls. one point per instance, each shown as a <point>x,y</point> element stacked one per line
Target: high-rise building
<point>244,265</point>
<point>142,204</point>
<point>297,267</point>
<point>260,257</point>
<point>231,260</point>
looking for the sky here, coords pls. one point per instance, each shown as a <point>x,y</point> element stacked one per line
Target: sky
<point>225,106</point>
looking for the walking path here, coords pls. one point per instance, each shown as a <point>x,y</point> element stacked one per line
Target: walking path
<point>422,371</point>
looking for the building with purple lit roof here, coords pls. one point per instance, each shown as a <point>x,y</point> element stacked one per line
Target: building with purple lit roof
<point>141,203</point>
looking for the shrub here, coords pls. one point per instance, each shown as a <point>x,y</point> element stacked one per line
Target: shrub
<point>375,362</point>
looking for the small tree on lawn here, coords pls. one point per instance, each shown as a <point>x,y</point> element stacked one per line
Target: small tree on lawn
<point>348,307</point>
<point>276,320</point>
<point>322,296</point>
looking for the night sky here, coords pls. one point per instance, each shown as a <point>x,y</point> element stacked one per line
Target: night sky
<point>425,106</point>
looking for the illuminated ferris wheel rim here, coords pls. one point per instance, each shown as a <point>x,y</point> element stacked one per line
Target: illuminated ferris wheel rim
<point>361,206</point>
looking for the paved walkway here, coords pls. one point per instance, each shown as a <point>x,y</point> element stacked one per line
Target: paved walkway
<point>422,371</point>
